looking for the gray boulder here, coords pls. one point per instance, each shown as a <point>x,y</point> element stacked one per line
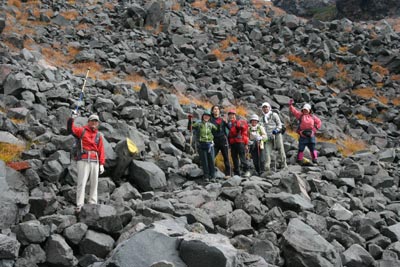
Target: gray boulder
<point>304,247</point>
<point>13,195</point>
<point>101,217</point>
<point>147,175</point>
<point>32,232</point>
<point>75,232</point>
<point>59,253</point>
<point>95,243</point>
<point>357,256</point>
<point>139,250</point>
<point>9,247</point>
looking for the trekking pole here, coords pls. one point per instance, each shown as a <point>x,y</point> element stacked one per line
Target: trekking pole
<point>82,91</point>
<point>274,153</point>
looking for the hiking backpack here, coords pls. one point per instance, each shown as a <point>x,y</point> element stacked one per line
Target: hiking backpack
<point>283,130</point>
<point>77,149</point>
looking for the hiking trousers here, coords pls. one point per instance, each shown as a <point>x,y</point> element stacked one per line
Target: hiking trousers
<point>221,144</point>
<point>258,156</point>
<point>87,170</point>
<point>207,162</point>
<point>269,147</point>
<point>238,154</point>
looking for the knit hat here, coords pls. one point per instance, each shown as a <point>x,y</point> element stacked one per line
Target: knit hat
<point>307,107</point>
<point>93,117</point>
<point>265,104</point>
<point>254,117</point>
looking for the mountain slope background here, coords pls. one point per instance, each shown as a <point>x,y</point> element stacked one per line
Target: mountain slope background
<point>150,64</point>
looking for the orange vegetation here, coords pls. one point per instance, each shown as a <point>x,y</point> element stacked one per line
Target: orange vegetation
<point>349,146</point>
<point>10,152</point>
<point>200,4</point>
<point>365,93</point>
<point>396,101</point>
<point>379,69</point>
<point>70,14</point>
<point>186,100</point>
<point>232,8</point>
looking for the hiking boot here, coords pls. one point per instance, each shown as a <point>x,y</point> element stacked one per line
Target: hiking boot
<point>78,210</point>
<point>315,161</point>
<point>227,177</point>
<point>284,166</point>
<point>247,174</point>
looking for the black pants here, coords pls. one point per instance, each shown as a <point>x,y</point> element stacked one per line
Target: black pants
<point>258,157</point>
<point>238,154</point>
<point>221,144</point>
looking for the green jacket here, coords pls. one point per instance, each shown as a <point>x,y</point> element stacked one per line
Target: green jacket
<point>205,130</point>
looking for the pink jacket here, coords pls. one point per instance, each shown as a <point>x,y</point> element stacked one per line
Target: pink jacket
<point>308,121</point>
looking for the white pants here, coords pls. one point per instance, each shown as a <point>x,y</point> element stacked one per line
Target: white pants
<point>87,170</point>
<point>269,146</point>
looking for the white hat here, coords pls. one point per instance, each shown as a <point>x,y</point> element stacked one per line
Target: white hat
<point>254,117</point>
<point>93,117</point>
<point>265,104</point>
<point>306,106</point>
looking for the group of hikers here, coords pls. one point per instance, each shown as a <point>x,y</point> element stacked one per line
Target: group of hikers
<point>215,134</point>
<point>258,137</point>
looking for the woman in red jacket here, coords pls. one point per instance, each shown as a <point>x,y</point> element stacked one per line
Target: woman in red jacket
<point>308,126</point>
<point>91,160</point>
<point>239,141</point>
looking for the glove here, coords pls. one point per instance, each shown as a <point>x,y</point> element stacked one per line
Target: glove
<point>190,116</point>
<point>101,169</point>
<point>74,114</point>
<point>259,138</point>
<point>275,131</point>
<point>291,101</point>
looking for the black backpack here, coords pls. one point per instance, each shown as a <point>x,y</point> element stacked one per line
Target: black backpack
<point>77,150</point>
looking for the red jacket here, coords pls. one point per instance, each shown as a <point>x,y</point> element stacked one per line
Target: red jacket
<point>88,141</point>
<point>238,132</point>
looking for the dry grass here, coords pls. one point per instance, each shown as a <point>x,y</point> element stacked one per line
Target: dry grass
<point>298,74</point>
<point>379,69</point>
<point>259,4</point>
<point>232,8</point>
<point>200,4</point>
<point>343,49</point>
<point>109,5</point>
<point>153,30</point>
<point>55,56</point>
<point>70,14</point>
<point>82,26</point>
<point>395,77</point>
<point>220,54</point>
<point>383,99</point>
<point>186,100</point>
<point>81,69</point>
<point>365,93</point>
<point>396,101</point>
<point>224,44</point>
<point>18,121</point>
<point>138,80</point>
<point>310,66</point>
<point>350,145</point>
<point>10,152</point>
<point>176,6</point>
<point>16,3</point>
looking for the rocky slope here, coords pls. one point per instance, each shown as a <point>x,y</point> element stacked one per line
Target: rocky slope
<point>146,59</point>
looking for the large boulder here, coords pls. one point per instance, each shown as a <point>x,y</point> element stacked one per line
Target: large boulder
<point>304,247</point>
<point>147,175</point>
<point>59,253</point>
<point>9,247</point>
<point>13,195</point>
<point>101,217</point>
